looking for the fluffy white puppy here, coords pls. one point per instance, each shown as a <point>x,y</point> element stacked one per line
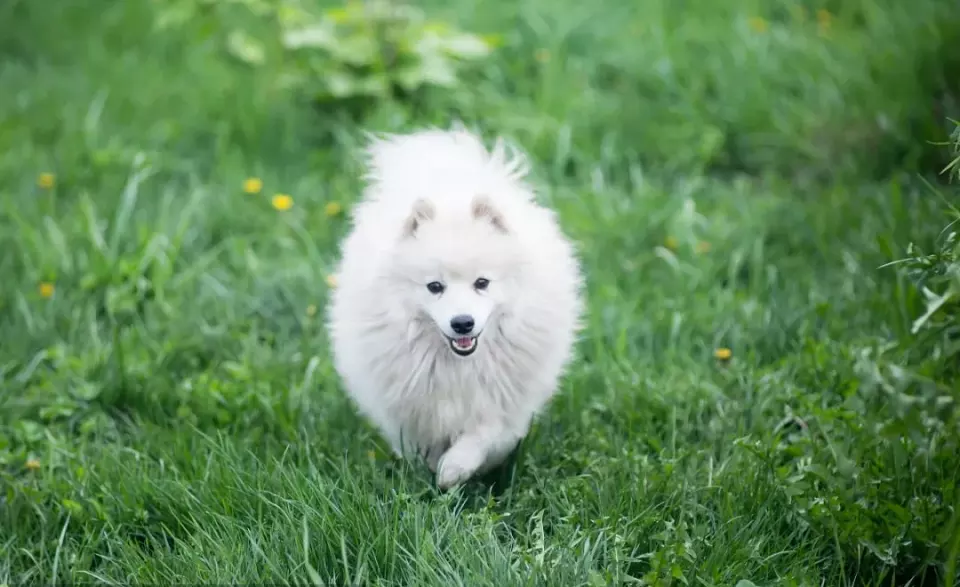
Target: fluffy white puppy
<point>458,301</point>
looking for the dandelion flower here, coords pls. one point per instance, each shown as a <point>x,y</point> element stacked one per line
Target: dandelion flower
<point>824,20</point>
<point>671,243</point>
<point>333,208</point>
<point>46,180</point>
<point>723,354</point>
<point>252,185</point>
<point>282,202</point>
<point>46,289</point>
<point>759,24</point>
<point>32,464</point>
<point>331,281</point>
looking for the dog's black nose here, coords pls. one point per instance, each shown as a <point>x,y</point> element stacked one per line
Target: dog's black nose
<point>462,324</point>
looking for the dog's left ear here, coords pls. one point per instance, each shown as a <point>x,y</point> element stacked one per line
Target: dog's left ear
<point>483,209</point>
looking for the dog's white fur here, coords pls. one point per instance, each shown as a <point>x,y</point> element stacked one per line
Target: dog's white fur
<point>438,206</point>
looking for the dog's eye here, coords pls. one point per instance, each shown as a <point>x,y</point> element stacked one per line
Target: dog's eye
<point>435,287</point>
<point>481,283</point>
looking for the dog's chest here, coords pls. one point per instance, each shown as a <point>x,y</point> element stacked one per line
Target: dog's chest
<point>452,397</point>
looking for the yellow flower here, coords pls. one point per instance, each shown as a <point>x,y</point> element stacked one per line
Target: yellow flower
<point>311,310</point>
<point>282,202</point>
<point>824,20</point>
<point>252,185</point>
<point>758,24</point>
<point>723,354</point>
<point>46,289</point>
<point>542,55</point>
<point>46,180</point>
<point>703,247</point>
<point>332,208</point>
<point>331,281</point>
<point>32,464</point>
<point>671,243</point>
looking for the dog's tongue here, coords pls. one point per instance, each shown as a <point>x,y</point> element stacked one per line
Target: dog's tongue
<point>463,342</point>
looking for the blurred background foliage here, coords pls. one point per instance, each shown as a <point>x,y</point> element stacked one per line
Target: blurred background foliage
<point>807,88</point>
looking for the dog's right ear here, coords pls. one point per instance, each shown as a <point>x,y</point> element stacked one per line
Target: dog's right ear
<point>422,212</point>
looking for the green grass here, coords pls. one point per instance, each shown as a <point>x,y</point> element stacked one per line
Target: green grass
<point>171,413</point>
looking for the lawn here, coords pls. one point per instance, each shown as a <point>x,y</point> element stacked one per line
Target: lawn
<point>750,402</point>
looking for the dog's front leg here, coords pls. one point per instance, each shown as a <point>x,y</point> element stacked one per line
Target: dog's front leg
<point>474,452</point>
<point>428,453</point>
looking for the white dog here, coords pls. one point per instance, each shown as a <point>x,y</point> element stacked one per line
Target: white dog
<point>458,301</point>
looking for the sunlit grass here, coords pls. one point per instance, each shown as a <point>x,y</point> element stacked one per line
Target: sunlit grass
<point>747,406</point>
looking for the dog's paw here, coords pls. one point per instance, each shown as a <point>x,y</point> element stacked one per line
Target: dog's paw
<point>433,455</point>
<point>458,464</point>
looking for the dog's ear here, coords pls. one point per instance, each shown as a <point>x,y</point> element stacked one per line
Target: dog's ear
<point>422,212</point>
<point>483,209</point>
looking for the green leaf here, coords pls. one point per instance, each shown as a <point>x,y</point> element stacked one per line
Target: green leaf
<point>86,391</point>
<point>438,71</point>
<point>173,16</point>
<point>358,49</point>
<point>493,40</point>
<point>318,36</point>
<point>934,303</point>
<point>595,579</point>
<point>257,7</point>
<point>374,85</point>
<point>72,506</point>
<point>289,15</point>
<point>466,46</point>
<point>245,48</point>
<point>340,84</point>
<point>409,77</point>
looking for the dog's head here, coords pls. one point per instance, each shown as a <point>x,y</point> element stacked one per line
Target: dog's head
<point>457,269</point>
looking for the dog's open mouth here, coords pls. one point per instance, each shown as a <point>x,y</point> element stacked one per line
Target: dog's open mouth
<point>464,345</point>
